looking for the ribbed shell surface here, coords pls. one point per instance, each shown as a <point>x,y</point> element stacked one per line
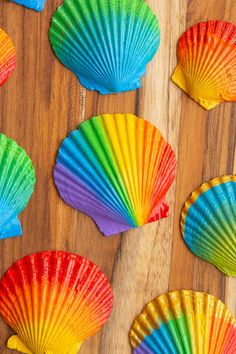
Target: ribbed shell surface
<point>117,169</point>
<point>17,179</point>
<point>54,301</point>
<point>206,67</point>
<point>184,322</point>
<point>7,57</point>
<point>106,43</point>
<point>208,223</point>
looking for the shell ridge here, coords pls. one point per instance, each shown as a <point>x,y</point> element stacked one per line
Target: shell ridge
<point>11,228</point>
<point>7,57</point>
<point>95,196</point>
<point>197,247</point>
<point>165,174</point>
<point>121,131</point>
<point>175,324</point>
<point>211,232</point>
<point>89,179</point>
<point>112,130</point>
<point>149,173</point>
<point>110,159</point>
<point>16,170</point>
<point>72,46</point>
<point>138,36</point>
<point>208,223</point>
<point>154,45</point>
<point>230,227</point>
<point>20,304</point>
<point>92,200</point>
<point>102,49</point>
<point>17,179</point>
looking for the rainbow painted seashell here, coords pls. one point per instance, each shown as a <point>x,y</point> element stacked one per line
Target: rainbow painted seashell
<point>206,67</point>
<point>54,301</point>
<point>117,169</point>
<point>7,57</point>
<point>36,5</point>
<point>107,44</point>
<point>208,223</point>
<point>17,180</point>
<point>182,322</point>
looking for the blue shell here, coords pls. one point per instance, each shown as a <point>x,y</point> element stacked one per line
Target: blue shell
<point>107,44</point>
<point>36,5</point>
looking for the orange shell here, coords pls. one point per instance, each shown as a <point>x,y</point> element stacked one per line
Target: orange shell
<point>206,67</point>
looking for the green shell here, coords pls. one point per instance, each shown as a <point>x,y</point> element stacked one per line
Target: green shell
<point>17,180</point>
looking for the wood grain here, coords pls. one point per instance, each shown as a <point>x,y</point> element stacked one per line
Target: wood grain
<point>43,101</point>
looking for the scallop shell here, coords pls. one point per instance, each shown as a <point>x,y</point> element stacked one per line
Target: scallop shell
<point>208,223</point>
<point>17,181</point>
<point>54,301</point>
<point>36,5</point>
<point>117,169</point>
<point>182,322</point>
<point>7,57</point>
<point>107,44</point>
<point>206,67</point>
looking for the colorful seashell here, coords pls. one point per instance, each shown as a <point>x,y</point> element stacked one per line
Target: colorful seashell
<point>182,322</point>
<point>36,5</point>
<point>117,169</point>
<point>206,67</point>
<point>7,57</point>
<point>208,223</point>
<point>107,44</point>
<point>54,301</point>
<point>17,179</point>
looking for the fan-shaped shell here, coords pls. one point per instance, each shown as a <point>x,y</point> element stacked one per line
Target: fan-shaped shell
<point>7,57</point>
<point>17,181</point>
<point>54,301</point>
<point>36,5</point>
<point>206,67</point>
<point>182,322</point>
<point>107,44</point>
<point>208,223</point>
<point>117,169</point>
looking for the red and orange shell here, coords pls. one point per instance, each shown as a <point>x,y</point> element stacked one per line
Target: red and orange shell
<point>7,57</point>
<point>54,301</point>
<point>206,67</point>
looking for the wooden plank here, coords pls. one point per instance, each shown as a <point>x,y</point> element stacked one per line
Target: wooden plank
<point>43,101</point>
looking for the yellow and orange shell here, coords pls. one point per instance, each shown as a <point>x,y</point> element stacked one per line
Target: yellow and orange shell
<point>54,301</point>
<point>206,67</point>
<point>7,57</point>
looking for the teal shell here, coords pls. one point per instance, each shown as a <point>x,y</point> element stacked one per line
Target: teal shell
<point>209,223</point>
<point>17,179</point>
<point>106,43</point>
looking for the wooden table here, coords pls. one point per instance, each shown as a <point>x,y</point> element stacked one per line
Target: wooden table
<point>43,101</point>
